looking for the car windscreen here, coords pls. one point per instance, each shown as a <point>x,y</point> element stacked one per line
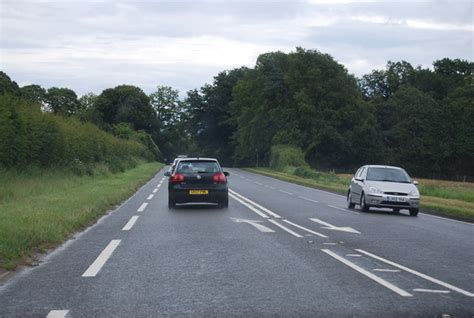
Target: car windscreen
<point>197,167</point>
<point>387,174</point>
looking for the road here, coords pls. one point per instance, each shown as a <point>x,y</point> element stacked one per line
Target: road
<point>280,249</point>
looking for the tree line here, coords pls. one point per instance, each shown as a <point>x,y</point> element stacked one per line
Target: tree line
<point>414,117</point>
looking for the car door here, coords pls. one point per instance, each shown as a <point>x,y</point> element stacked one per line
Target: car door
<point>357,184</point>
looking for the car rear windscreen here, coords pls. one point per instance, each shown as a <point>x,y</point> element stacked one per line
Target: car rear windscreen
<point>198,167</point>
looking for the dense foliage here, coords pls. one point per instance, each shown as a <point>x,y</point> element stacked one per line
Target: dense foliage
<point>417,118</point>
<point>303,104</point>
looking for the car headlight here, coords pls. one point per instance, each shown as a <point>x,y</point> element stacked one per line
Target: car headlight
<point>414,193</point>
<point>375,190</point>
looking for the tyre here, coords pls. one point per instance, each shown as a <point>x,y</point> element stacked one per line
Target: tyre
<point>363,205</point>
<point>396,210</point>
<point>171,203</point>
<point>224,204</point>
<point>414,212</point>
<point>350,204</point>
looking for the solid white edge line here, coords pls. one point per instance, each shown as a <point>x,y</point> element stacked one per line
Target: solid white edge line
<point>249,206</point>
<point>150,197</point>
<point>130,223</point>
<point>57,314</point>
<point>436,291</point>
<point>285,228</point>
<point>375,278</point>
<point>429,278</point>
<point>452,220</point>
<point>308,199</point>
<point>305,229</point>
<point>255,204</point>
<point>258,226</point>
<point>100,261</point>
<point>142,207</point>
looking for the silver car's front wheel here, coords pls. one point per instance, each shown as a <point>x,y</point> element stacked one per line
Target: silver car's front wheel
<point>363,205</point>
<point>350,205</point>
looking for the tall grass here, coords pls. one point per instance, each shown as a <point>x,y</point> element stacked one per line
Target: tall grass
<point>40,208</point>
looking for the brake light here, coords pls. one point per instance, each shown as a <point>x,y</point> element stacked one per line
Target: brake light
<point>177,178</point>
<point>219,178</point>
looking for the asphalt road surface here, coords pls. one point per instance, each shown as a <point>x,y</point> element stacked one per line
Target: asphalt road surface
<point>279,250</point>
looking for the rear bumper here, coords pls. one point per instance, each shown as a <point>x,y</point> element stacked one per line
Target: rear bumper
<point>214,196</point>
<point>383,201</point>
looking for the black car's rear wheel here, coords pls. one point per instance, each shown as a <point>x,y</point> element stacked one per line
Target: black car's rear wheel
<point>171,203</point>
<point>414,212</point>
<point>224,204</point>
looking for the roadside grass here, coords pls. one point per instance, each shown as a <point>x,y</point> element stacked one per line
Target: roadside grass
<point>39,209</point>
<point>445,198</point>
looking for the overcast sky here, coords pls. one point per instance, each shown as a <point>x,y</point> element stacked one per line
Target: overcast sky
<point>92,45</point>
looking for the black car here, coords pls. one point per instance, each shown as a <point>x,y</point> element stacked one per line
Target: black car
<point>196,180</point>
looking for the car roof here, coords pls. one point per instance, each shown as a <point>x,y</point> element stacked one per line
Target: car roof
<point>198,159</point>
<point>381,166</point>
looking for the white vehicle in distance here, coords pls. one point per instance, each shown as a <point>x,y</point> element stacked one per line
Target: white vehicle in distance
<point>383,187</point>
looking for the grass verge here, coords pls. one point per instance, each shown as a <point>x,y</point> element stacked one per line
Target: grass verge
<point>40,210</point>
<point>444,198</point>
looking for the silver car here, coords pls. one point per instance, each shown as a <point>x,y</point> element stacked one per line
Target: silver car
<point>384,187</point>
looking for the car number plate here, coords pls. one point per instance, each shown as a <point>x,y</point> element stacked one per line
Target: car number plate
<point>396,199</point>
<point>198,192</point>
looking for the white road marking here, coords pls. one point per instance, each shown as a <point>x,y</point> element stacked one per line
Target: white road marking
<point>57,314</point>
<point>431,279</point>
<point>260,227</point>
<point>283,191</point>
<point>335,228</point>
<point>142,207</point>
<point>440,217</point>
<point>158,186</point>
<point>271,213</point>
<point>150,197</point>
<point>95,267</point>
<point>130,223</point>
<point>386,270</point>
<point>341,209</point>
<point>436,291</point>
<point>308,199</point>
<point>377,279</point>
<point>154,191</point>
<point>249,206</point>
<point>285,228</point>
<point>273,188</point>
<point>330,243</point>
<point>305,229</point>
<point>260,184</point>
<point>353,255</point>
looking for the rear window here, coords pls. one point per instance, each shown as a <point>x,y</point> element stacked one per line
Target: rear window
<point>198,167</point>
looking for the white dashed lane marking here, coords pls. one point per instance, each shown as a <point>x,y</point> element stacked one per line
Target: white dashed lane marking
<point>142,207</point>
<point>57,314</point>
<point>283,191</point>
<point>100,261</point>
<point>130,223</point>
<point>150,197</point>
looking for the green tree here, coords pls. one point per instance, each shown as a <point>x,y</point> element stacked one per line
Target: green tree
<point>7,86</point>
<point>61,101</point>
<point>34,93</point>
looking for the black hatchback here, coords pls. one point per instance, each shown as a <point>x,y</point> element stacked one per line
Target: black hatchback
<point>197,180</point>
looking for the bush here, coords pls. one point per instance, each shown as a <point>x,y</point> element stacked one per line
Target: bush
<point>283,156</point>
<point>29,137</point>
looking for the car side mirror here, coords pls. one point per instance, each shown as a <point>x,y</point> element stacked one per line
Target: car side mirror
<point>226,173</point>
<point>359,179</point>
<point>415,182</point>
<point>167,173</point>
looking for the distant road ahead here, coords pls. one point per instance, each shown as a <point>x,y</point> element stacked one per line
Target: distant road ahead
<point>279,249</point>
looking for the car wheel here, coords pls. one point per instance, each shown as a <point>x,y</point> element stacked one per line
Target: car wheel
<point>414,212</point>
<point>171,203</point>
<point>363,205</point>
<point>224,204</point>
<point>350,205</point>
<point>396,210</point>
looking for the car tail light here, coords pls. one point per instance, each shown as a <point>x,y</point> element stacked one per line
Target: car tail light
<point>219,178</point>
<point>177,178</point>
